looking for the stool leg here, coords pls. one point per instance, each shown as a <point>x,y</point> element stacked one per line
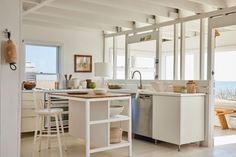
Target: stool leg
<point>58,135</point>
<point>35,136</point>
<point>62,130</point>
<point>49,131</point>
<point>40,132</point>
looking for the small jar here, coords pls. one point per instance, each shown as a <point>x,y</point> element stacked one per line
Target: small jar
<point>191,87</point>
<point>88,82</point>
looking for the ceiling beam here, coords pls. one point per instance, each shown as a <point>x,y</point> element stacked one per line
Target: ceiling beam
<point>111,12</point>
<point>136,6</point>
<point>216,3</point>
<point>181,4</point>
<point>81,16</point>
<point>30,2</point>
<point>38,6</point>
<point>67,21</point>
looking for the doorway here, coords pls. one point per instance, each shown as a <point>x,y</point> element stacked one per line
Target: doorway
<point>222,31</point>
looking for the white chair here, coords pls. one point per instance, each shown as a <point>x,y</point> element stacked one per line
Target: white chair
<point>41,131</point>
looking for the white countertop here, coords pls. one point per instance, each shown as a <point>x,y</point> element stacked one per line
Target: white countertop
<point>179,94</point>
<point>125,91</point>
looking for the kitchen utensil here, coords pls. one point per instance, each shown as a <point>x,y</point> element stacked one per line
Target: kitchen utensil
<point>116,110</point>
<point>70,76</point>
<point>66,77</point>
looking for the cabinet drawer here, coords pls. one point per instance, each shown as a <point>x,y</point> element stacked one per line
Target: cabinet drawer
<point>30,96</point>
<point>28,112</point>
<point>27,96</point>
<point>27,104</point>
<point>28,124</point>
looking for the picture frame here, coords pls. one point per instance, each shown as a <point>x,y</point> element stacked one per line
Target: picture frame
<point>83,63</point>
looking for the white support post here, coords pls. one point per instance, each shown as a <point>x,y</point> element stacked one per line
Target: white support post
<point>176,52</point>
<point>209,110</point>
<point>182,52</point>
<point>202,48</point>
<point>103,47</point>
<point>114,57</point>
<point>87,128</point>
<point>159,54</point>
<point>127,58</point>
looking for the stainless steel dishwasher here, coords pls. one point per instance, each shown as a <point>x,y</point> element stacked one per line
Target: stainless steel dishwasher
<point>142,115</point>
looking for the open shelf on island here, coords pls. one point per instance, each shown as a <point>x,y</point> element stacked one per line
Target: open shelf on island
<point>116,118</point>
<point>123,143</point>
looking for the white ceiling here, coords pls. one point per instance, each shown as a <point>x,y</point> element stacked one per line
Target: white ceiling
<point>111,15</point>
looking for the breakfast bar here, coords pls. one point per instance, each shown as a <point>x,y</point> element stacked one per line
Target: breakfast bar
<point>90,119</point>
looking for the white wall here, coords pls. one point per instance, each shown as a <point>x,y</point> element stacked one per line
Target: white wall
<point>9,82</point>
<point>88,42</point>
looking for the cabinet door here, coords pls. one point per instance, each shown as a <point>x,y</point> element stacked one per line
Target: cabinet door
<point>166,119</point>
<point>192,119</point>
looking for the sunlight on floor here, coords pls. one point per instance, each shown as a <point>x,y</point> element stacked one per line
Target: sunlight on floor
<point>223,140</point>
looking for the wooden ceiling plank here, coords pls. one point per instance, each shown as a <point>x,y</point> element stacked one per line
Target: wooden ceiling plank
<point>65,21</point>
<point>111,12</point>
<point>83,16</point>
<point>136,6</point>
<point>182,4</point>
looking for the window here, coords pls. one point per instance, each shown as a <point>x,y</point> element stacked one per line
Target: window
<point>116,58</point>
<point>142,58</point>
<point>120,60</point>
<point>167,63</point>
<point>41,65</point>
<point>109,57</point>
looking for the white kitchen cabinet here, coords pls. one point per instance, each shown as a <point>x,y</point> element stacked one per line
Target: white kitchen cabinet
<point>28,108</point>
<point>178,118</point>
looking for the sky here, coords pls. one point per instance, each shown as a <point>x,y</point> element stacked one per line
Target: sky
<point>225,66</point>
<point>43,57</point>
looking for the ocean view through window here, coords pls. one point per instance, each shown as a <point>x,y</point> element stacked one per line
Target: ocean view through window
<point>41,65</point>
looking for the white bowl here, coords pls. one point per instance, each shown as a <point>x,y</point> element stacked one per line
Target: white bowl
<point>100,91</point>
<point>116,110</point>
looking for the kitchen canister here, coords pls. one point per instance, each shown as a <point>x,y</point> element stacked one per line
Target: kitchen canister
<point>191,86</point>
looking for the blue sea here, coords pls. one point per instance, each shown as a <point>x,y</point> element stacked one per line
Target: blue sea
<point>225,85</point>
<point>225,89</point>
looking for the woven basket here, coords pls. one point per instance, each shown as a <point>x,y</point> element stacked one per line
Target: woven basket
<point>179,89</point>
<point>115,135</point>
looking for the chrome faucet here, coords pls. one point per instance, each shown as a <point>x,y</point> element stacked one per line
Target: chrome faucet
<point>140,78</point>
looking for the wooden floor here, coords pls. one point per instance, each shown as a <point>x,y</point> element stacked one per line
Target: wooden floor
<point>140,149</point>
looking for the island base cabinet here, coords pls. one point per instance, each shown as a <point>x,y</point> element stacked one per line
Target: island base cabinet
<point>178,119</point>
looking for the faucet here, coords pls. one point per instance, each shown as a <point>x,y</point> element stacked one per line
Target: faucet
<point>140,78</point>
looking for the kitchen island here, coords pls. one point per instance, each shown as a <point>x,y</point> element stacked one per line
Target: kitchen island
<point>89,119</point>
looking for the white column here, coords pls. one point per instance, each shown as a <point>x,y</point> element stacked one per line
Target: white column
<point>202,48</point>
<point>114,57</point>
<point>182,52</point>
<point>159,54</point>
<point>176,53</point>
<point>10,89</point>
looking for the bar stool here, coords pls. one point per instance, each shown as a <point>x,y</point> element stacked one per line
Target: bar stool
<point>43,113</point>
